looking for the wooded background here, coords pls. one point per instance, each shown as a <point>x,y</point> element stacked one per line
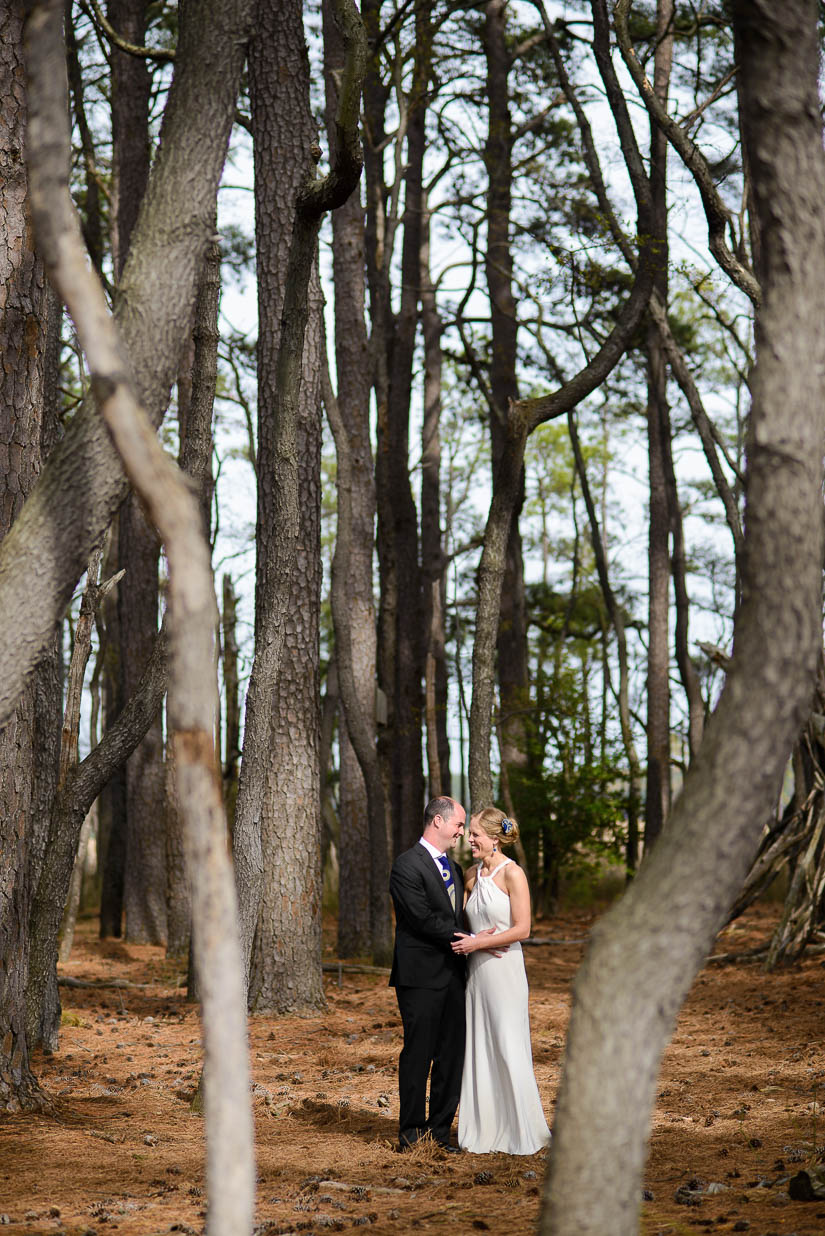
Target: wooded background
<point>511,487</point>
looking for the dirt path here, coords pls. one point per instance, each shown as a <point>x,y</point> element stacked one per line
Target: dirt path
<point>738,1108</point>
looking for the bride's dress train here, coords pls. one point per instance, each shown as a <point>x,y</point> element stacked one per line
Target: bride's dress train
<point>500,1108</point>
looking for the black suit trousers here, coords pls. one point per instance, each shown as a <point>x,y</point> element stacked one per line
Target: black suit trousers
<point>434,1028</point>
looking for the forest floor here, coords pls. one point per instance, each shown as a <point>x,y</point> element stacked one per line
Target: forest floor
<point>738,1106</point>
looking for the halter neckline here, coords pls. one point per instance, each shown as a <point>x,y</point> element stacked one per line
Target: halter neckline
<point>490,874</point>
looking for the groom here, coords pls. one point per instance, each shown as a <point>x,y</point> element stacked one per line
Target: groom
<point>427,890</point>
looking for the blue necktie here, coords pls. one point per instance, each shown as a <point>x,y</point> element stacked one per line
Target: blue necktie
<point>447,876</point>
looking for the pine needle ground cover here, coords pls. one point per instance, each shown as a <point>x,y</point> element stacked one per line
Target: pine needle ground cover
<point>737,1115</point>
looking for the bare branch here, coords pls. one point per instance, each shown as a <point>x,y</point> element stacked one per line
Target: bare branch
<point>161,55</point>
<point>718,215</point>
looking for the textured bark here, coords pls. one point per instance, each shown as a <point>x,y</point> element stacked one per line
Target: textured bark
<point>173,509</point>
<point>23,315</point>
<point>112,806</point>
<point>83,483</point>
<point>352,675</point>
<point>644,955</point>
<point>379,237</point>
<point>432,549</point>
<point>131,87</point>
<point>277,841</point>
<point>511,640</point>
<point>679,568</point>
<point>144,886</point>
<point>358,835</point>
<point>144,880</point>
<point>54,873</point>
<point>196,398</point>
<point>178,900</point>
<point>77,790</point>
<point>232,710</point>
<point>401,646</point>
<point>657,795</point>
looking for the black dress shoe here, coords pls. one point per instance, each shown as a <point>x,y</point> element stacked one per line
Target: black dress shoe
<point>450,1149</point>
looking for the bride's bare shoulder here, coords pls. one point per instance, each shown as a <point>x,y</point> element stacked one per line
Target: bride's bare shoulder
<point>514,876</point>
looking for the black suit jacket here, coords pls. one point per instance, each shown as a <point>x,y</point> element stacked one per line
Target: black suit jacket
<point>425,921</point>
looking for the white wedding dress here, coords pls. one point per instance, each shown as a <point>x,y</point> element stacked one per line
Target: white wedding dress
<point>500,1108</point>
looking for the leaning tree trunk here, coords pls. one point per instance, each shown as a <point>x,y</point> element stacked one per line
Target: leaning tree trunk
<point>83,484</point>
<point>42,997</point>
<point>644,955</point>
<point>193,697</point>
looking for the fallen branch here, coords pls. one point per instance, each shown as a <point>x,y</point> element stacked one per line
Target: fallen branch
<point>66,980</point>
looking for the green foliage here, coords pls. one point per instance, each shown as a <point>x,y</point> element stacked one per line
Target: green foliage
<point>571,814</point>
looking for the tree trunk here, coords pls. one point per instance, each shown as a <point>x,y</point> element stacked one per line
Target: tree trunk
<point>131,154</point>
<point>196,398</point>
<point>511,640</point>
<point>525,415</point>
<point>193,616</point>
<point>79,488</point>
<point>401,647</point>
<point>433,560</point>
<point>657,795</point>
<point>83,484</point>
<point>42,997</point>
<point>232,710</point>
<point>144,886</point>
<point>69,920</point>
<point>112,807</point>
<point>356,836</point>
<point>144,877</point>
<point>644,955</point>
<point>23,315</point>
<point>79,786</point>
<point>280,774</point>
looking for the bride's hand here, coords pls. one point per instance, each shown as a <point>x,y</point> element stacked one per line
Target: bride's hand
<point>497,952</point>
<point>463,943</point>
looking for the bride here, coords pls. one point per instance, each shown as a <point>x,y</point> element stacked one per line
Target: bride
<point>500,1108</point>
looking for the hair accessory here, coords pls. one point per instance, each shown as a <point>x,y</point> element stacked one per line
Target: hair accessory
<point>506,827</point>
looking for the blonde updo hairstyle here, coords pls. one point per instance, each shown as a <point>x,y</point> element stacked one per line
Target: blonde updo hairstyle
<point>498,826</point>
